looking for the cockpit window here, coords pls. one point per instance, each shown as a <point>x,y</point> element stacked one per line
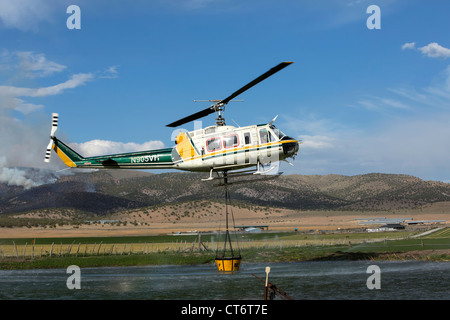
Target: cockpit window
<point>265,136</point>
<point>277,132</point>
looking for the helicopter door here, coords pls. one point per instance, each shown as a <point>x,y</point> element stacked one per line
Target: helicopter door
<point>230,144</point>
<point>265,137</point>
<point>247,143</point>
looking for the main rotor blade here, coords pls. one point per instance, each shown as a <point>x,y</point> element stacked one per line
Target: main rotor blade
<point>215,107</point>
<point>192,117</point>
<point>262,77</point>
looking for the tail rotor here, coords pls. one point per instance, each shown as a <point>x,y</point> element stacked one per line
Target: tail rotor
<point>52,135</point>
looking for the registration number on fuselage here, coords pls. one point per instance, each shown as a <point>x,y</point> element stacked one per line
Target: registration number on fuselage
<point>145,159</point>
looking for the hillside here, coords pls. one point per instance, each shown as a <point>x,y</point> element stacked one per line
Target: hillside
<point>111,191</point>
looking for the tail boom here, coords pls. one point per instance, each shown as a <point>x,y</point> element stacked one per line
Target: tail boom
<point>153,159</point>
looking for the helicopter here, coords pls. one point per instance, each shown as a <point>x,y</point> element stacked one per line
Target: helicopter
<point>220,148</point>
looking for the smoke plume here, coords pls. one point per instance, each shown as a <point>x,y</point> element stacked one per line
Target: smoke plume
<point>14,176</point>
<point>22,147</point>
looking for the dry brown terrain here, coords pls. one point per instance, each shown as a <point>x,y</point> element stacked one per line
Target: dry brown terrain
<point>210,217</point>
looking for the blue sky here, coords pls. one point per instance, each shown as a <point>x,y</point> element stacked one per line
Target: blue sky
<point>360,100</point>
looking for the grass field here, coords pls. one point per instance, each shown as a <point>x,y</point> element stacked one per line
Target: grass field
<point>186,249</point>
<point>440,234</point>
<point>244,237</point>
<point>150,244</point>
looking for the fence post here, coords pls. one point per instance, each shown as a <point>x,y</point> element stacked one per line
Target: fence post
<point>15,249</point>
<point>99,247</point>
<point>70,248</point>
<point>24,249</point>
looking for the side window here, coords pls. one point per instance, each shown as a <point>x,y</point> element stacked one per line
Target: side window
<point>265,136</point>
<point>213,144</point>
<point>231,141</point>
<point>247,138</point>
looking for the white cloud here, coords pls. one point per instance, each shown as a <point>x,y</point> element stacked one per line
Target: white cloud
<point>109,73</point>
<point>9,94</point>
<point>27,64</point>
<point>409,45</point>
<point>413,100</point>
<point>385,106</point>
<point>75,81</point>
<point>36,65</point>
<point>432,50</point>
<point>395,104</point>
<point>419,147</point>
<point>316,142</point>
<point>436,95</point>
<point>25,107</point>
<point>105,147</point>
<point>25,15</point>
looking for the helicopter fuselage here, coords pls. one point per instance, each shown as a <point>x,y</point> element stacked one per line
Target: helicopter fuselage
<point>228,147</point>
<point>212,148</point>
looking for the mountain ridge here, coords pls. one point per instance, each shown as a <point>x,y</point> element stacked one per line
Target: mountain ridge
<point>110,191</point>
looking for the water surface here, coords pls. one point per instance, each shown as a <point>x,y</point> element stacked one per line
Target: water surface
<point>404,280</point>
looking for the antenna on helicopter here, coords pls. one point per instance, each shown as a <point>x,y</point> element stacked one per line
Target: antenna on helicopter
<point>219,105</point>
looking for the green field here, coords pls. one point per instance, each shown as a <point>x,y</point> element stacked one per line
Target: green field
<point>260,247</point>
<point>440,234</point>
<point>261,237</point>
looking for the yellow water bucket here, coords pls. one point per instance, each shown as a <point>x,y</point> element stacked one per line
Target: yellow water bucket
<point>228,264</point>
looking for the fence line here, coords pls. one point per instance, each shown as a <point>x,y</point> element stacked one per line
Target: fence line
<point>54,250</point>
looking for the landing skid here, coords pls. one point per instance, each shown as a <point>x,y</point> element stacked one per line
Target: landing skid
<point>226,175</point>
<point>258,171</point>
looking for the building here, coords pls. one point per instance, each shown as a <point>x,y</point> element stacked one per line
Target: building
<point>388,227</point>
